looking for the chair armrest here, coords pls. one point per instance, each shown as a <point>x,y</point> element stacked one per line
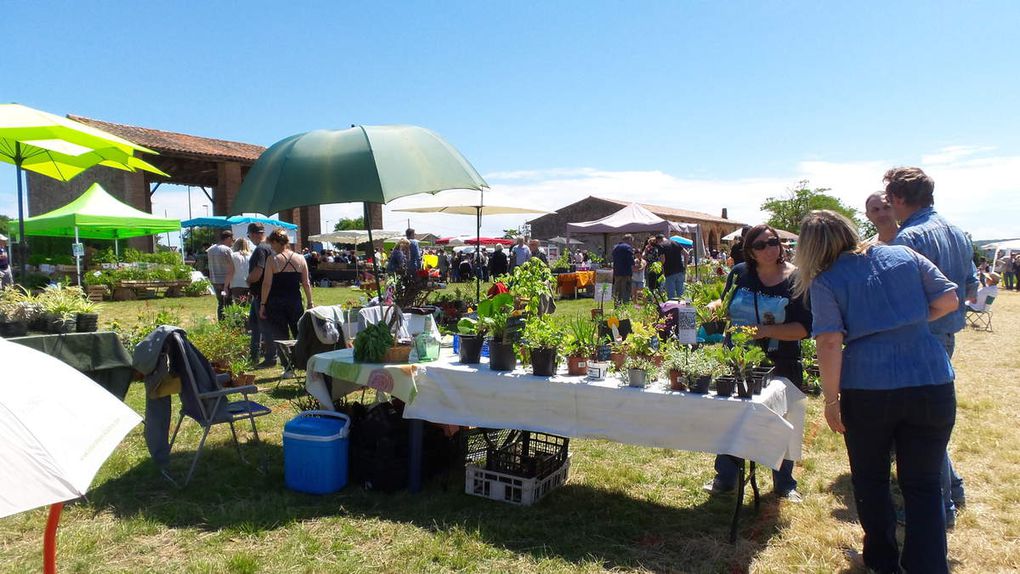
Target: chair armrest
<point>229,391</point>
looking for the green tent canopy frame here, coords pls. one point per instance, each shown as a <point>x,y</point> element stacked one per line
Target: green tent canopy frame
<point>96,214</point>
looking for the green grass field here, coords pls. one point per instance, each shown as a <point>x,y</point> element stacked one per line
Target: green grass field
<point>624,508</point>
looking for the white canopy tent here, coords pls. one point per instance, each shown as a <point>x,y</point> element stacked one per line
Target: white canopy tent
<point>634,218</point>
<point>355,236</point>
<point>1009,246</point>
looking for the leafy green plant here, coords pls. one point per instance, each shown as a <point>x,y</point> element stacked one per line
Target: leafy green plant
<point>219,342</point>
<point>742,355</point>
<point>494,314</point>
<point>371,343</point>
<point>529,282</point>
<point>642,341</point>
<point>542,333</point>
<point>197,288</point>
<point>582,337</point>
<point>635,362</point>
<point>236,315</point>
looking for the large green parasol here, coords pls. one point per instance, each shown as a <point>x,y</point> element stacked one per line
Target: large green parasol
<point>370,164</point>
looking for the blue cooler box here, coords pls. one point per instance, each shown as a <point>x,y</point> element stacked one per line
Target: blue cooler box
<point>315,447</point>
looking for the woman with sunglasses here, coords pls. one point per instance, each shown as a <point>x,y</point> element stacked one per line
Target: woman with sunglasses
<point>763,297</point>
<point>887,381</point>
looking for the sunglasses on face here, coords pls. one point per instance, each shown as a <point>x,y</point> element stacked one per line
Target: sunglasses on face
<point>762,244</point>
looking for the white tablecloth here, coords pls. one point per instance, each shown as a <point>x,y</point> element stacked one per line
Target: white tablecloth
<point>766,429</point>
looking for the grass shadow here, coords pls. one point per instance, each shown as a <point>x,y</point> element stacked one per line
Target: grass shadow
<point>578,523</point>
<point>842,488</point>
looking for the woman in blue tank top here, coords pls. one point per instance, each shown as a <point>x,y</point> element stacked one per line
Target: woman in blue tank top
<point>887,381</point>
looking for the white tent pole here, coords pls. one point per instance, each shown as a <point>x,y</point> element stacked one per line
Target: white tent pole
<point>77,258</point>
<point>116,247</point>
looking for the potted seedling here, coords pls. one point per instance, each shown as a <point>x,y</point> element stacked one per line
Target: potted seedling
<point>639,371</point>
<point>742,355</point>
<point>580,344</point>
<point>86,318</point>
<point>675,358</point>
<point>471,333</point>
<point>239,375</point>
<point>700,368</point>
<point>541,337</point>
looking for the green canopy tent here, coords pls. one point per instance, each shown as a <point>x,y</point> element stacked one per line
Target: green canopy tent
<point>96,214</point>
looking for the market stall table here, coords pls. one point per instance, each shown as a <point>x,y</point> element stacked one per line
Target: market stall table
<point>101,356</point>
<point>571,283</point>
<point>765,429</point>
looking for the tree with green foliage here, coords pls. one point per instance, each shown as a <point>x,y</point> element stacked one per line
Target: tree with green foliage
<point>348,223</point>
<point>5,225</point>
<point>787,212</point>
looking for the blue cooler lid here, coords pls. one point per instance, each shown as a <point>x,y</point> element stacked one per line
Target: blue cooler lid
<point>313,426</point>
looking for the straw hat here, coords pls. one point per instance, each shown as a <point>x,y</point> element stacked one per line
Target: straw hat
<point>3,237</point>
<point>993,277</point>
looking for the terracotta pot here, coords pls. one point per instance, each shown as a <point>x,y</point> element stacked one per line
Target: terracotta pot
<point>596,313</point>
<point>657,360</point>
<point>577,366</point>
<point>676,381</point>
<point>242,380</point>
<point>618,359</point>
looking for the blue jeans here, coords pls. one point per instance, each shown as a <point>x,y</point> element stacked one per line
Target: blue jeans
<point>726,474</point>
<point>674,285</point>
<point>952,482</point>
<point>261,332</point>
<point>917,421</point>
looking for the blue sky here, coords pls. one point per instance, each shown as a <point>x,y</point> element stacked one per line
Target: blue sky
<point>700,105</point>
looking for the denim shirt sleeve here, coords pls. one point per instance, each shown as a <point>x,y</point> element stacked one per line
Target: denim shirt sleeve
<point>826,316</point>
<point>935,283</point>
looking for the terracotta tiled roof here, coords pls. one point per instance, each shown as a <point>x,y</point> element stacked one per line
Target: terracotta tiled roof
<point>671,212</point>
<point>171,143</point>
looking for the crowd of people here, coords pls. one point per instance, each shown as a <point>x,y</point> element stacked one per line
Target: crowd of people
<point>634,269</point>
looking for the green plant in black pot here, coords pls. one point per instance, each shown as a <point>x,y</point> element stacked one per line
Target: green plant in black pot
<point>495,314</point>
<point>471,332</point>
<point>542,337</point>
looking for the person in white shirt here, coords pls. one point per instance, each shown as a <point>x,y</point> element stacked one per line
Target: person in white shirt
<point>239,281</point>
<point>221,269</point>
<point>990,290</point>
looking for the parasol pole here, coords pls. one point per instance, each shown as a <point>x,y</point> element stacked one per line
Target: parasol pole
<point>50,540</point>
<point>77,258</point>
<point>370,251</point>
<point>21,213</point>
<point>478,245</point>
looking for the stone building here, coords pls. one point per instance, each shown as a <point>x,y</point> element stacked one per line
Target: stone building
<point>590,208</point>
<point>216,167</point>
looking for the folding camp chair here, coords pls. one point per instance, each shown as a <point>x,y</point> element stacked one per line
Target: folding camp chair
<point>204,399</point>
<point>981,319</point>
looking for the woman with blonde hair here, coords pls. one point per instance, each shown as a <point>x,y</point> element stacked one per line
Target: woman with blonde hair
<point>286,273</point>
<point>241,253</point>
<point>887,381</point>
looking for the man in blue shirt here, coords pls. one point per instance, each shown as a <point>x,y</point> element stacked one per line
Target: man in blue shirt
<point>623,269</point>
<point>414,260</point>
<point>910,192</point>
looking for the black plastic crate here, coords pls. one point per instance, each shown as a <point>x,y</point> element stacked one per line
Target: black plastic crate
<point>529,455</point>
<point>476,443</point>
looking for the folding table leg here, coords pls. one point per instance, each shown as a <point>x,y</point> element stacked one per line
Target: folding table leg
<point>754,485</point>
<point>741,479</point>
<point>416,432</point>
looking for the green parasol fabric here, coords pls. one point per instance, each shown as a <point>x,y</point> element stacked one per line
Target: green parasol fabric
<point>375,164</point>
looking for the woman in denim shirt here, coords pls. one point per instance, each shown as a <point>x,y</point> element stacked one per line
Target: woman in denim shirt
<point>890,386</point>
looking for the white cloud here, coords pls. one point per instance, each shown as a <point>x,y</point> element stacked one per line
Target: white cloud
<point>974,189</point>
